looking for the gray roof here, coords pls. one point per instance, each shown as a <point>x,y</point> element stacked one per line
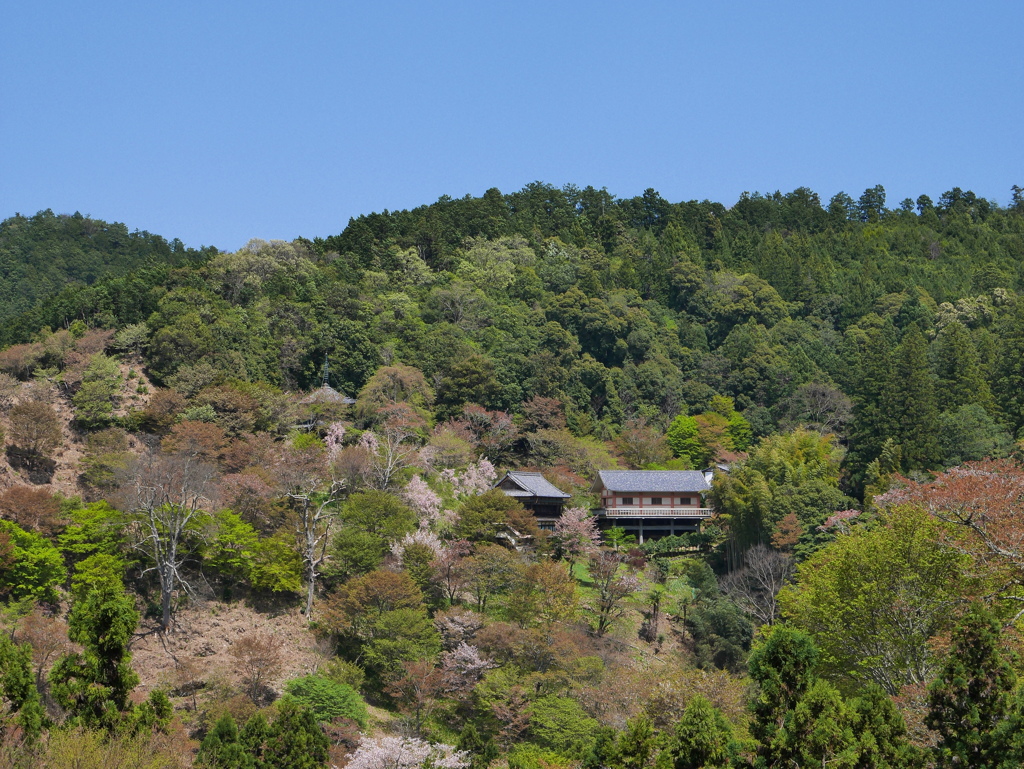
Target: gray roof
<point>328,394</point>
<point>532,484</point>
<point>653,480</point>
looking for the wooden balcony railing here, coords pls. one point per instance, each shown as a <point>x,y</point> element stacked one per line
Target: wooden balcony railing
<point>655,512</point>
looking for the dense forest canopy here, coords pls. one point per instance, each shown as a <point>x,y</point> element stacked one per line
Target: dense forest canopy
<point>42,254</point>
<point>625,310</point>
<point>304,436</point>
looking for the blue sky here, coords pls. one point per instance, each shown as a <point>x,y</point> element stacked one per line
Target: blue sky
<point>216,121</point>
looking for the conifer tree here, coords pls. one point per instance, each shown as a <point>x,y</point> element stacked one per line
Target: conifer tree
<point>295,739</point>
<point>636,744</point>
<point>870,427</point>
<point>819,732</point>
<point>909,408</point>
<point>971,696</point>
<point>221,748</point>
<point>94,685</point>
<point>253,737</point>
<point>882,741</point>
<point>18,693</point>
<point>1008,387</point>
<point>782,665</point>
<point>481,751</point>
<point>703,737</point>
<point>960,381</point>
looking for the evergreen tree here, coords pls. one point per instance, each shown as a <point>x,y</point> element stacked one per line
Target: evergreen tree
<point>295,739</point>
<point>636,744</point>
<point>782,665</point>
<point>960,381</point>
<point>221,748</point>
<point>909,408</point>
<point>870,379</point>
<point>971,696</point>
<point>1009,383</point>
<point>882,741</point>
<point>703,737</point>
<point>253,738</point>
<point>820,730</point>
<point>481,751</point>
<point>94,685</point>
<point>18,693</point>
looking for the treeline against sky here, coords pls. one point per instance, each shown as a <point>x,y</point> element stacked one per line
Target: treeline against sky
<point>884,324</point>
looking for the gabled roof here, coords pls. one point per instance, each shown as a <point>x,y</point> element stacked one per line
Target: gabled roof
<point>531,485</point>
<point>653,480</point>
<point>327,394</point>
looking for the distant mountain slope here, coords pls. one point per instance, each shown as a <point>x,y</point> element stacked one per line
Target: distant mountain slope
<point>43,254</point>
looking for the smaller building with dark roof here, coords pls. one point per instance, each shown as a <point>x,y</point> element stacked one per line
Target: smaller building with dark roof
<point>543,499</point>
<point>652,503</point>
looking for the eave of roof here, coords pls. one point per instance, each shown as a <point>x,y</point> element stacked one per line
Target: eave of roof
<point>535,484</point>
<point>654,480</point>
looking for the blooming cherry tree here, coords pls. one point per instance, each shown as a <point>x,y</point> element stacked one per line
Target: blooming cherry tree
<point>576,535</point>
<point>406,753</point>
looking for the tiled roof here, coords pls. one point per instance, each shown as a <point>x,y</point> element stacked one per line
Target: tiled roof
<point>654,480</point>
<point>534,484</point>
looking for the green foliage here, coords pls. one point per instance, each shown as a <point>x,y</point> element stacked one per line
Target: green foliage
<point>969,434</point>
<point>971,696</point>
<point>371,521</point>
<point>35,569</point>
<point>295,739</point>
<point>95,528</point>
<point>875,598</point>
<point>481,751</point>
<point>343,672</point>
<point>94,685</point>
<point>792,473</point>
<point>721,633</point>
<point>232,553</point>
<point>18,690</point>
<point>402,635</point>
<point>44,253</point>
<point>106,457</point>
<point>561,725</point>
<point>221,748</point>
<point>782,665</point>
<point>703,737</point>
<point>682,437</point>
<point>94,401</point>
<point>481,517</point>
<point>526,755</point>
<point>97,571</point>
<point>276,566</point>
<point>328,699</point>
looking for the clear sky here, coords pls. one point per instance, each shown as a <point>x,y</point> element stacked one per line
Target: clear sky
<point>217,121</point>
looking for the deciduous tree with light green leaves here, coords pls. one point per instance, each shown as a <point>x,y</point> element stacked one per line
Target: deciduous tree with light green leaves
<point>791,473</point>
<point>874,599</point>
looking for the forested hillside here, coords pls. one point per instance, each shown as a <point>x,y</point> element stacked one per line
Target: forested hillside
<point>42,254</point>
<point>321,560</point>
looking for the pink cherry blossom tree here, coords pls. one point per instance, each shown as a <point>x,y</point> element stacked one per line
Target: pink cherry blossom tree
<point>406,753</point>
<point>575,535</point>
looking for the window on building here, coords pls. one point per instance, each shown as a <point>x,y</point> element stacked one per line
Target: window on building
<point>655,500</point>
<point>686,501</point>
<point>627,500</point>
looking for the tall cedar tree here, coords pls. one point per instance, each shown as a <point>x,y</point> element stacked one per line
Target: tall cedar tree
<point>971,697</point>
<point>1009,382</point>
<point>909,406</point>
<point>94,685</point>
<point>870,429</point>
<point>958,371</point>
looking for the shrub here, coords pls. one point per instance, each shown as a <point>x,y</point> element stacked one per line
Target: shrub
<point>328,699</point>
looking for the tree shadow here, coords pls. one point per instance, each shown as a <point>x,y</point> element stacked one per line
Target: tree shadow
<point>38,469</point>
